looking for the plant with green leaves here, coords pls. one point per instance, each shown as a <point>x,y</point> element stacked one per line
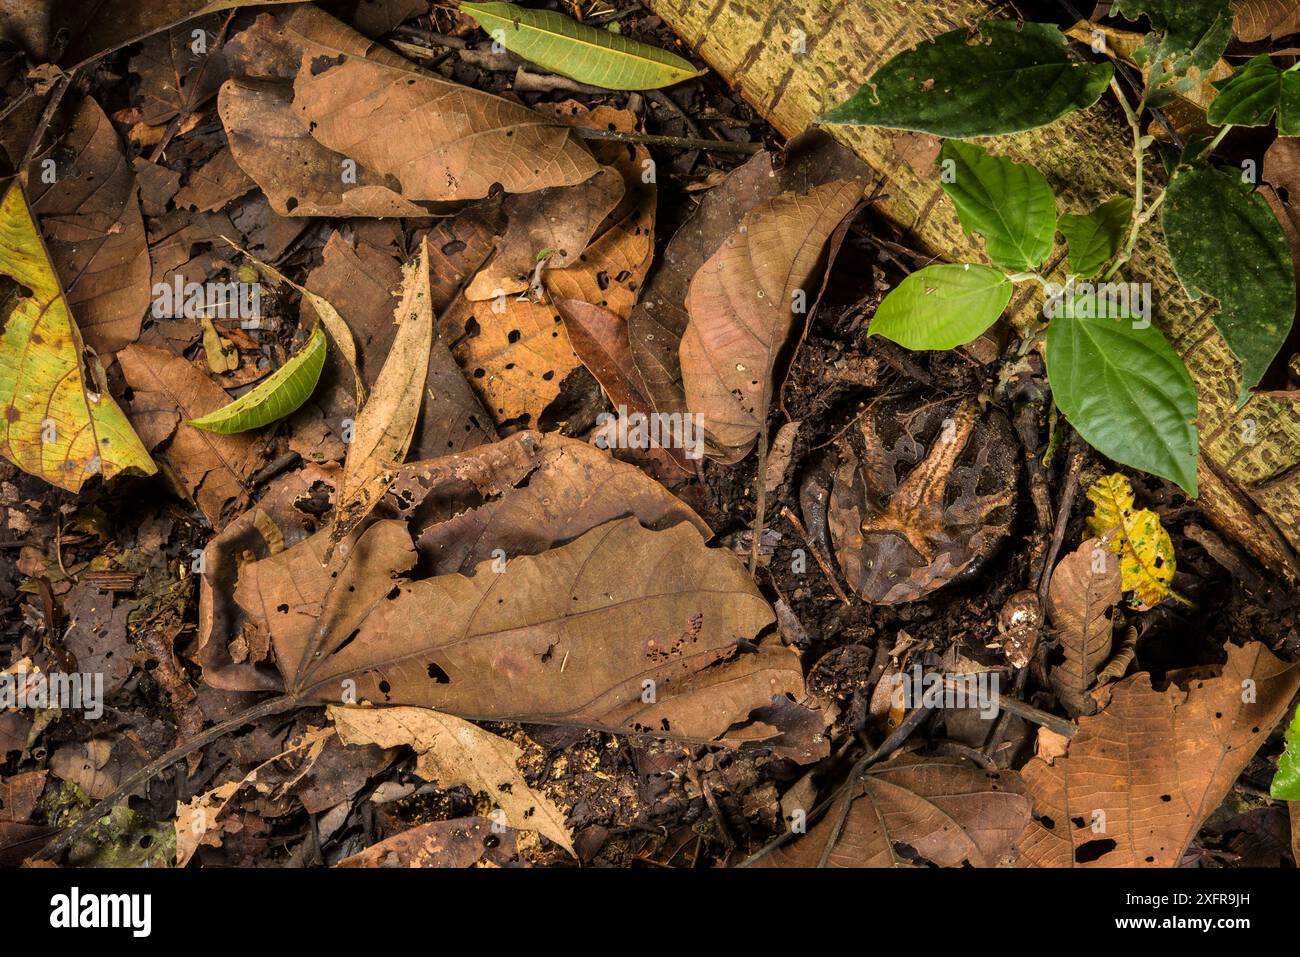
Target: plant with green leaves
<point>1113,374</point>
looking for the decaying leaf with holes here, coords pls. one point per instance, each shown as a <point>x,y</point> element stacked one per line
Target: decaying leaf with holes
<point>923,494</point>
<point>915,811</point>
<point>1144,774</point>
<point>515,349</point>
<point>451,751</point>
<point>56,422</point>
<point>548,228</point>
<point>743,304</point>
<point>436,139</point>
<point>1085,588</point>
<point>1145,550</point>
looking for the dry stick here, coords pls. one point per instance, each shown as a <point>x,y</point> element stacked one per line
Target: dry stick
<point>681,142</point>
<point>760,511</point>
<point>816,552</point>
<point>264,709</point>
<point>1064,508</point>
<point>887,747</point>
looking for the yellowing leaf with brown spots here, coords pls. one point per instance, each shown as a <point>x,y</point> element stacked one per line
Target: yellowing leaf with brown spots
<point>56,422</point>
<point>1146,553</point>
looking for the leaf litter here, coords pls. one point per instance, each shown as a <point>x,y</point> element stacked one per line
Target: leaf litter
<point>532,648</point>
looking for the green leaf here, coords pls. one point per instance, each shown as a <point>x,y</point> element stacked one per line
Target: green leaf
<point>1006,81</point>
<point>1009,204</point>
<point>1254,93</point>
<point>1194,33</point>
<point>942,307</point>
<point>582,53</point>
<point>1226,242</point>
<point>1127,392</point>
<point>1093,239</point>
<point>275,397</point>
<point>1286,783</point>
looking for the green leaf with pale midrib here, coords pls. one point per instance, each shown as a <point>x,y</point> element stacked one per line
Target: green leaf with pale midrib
<point>1286,783</point>
<point>1009,204</point>
<point>1019,79</point>
<point>580,52</point>
<point>1127,393</point>
<point>1226,242</point>
<point>1254,93</point>
<point>1093,239</point>
<point>281,393</point>
<point>942,307</point>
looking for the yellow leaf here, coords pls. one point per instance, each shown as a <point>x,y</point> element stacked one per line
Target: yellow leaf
<point>54,422</point>
<point>1146,553</point>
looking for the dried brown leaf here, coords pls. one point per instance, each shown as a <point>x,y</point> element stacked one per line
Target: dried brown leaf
<point>946,811</point>
<point>169,392</point>
<point>1086,585</point>
<point>452,752</point>
<point>1143,775</point>
<point>741,305</point>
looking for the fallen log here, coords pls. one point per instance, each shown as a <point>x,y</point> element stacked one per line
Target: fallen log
<point>795,59</point>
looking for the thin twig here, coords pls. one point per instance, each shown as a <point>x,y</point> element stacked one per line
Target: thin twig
<point>793,519</point>
<point>679,142</point>
<point>65,838</point>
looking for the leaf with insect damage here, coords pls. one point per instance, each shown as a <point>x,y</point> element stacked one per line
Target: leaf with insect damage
<point>56,421</point>
<point>451,752</point>
<point>1144,774</point>
<point>1136,535</point>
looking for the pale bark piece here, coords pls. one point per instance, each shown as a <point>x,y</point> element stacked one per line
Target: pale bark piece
<point>1144,774</point>
<point>90,217</point>
<point>462,842</point>
<point>548,489</point>
<point>551,226</point>
<point>748,45</point>
<point>386,423</point>
<point>212,469</point>
<point>570,636</point>
<point>913,811</point>
<point>450,752</point>
<point>741,307</point>
<point>442,141</point>
<point>1086,585</point>
<point>299,175</point>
